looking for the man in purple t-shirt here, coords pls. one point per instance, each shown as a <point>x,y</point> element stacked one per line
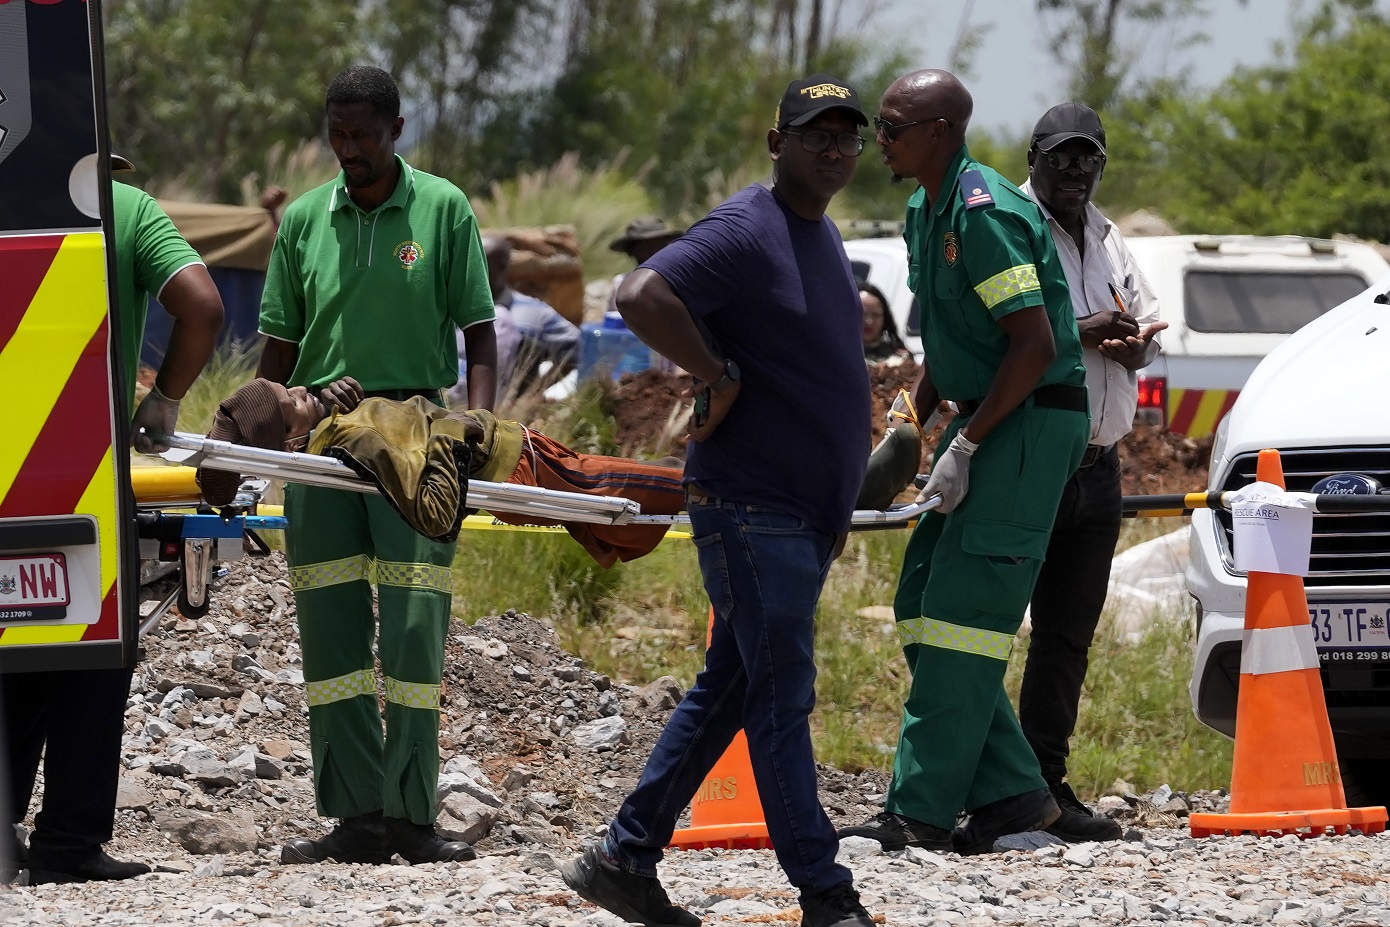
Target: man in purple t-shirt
<point>758,302</point>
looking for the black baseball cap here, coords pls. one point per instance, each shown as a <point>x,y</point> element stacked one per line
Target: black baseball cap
<point>808,97</point>
<point>1067,121</point>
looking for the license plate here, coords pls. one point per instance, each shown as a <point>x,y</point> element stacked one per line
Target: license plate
<point>34,587</point>
<point>1350,631</point>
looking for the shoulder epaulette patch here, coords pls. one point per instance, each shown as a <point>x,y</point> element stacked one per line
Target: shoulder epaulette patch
<point>974,191</point>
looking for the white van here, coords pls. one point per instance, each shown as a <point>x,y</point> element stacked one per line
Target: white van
<point>1228,300</point>
<point>1319,398</point>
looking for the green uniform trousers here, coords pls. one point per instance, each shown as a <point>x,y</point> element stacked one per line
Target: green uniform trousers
<point>966,581</point>
<point>337,545</point>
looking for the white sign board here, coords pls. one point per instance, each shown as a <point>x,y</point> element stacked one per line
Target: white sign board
<point>1273,529</point>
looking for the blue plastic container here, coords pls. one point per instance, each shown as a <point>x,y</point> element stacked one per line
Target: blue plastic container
<point>610,349</point>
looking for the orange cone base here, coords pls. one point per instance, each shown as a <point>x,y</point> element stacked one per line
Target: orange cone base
<point>751,836</point>
<point>1369,820</point>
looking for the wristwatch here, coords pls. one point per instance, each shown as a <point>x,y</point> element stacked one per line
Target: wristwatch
<point>730,377</point>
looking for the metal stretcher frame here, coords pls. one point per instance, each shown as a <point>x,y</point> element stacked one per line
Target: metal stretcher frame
<point>549,504</point>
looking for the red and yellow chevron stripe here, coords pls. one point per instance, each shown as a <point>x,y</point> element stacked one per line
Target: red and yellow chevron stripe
<point>1196,412</point>
<point>54,364</point>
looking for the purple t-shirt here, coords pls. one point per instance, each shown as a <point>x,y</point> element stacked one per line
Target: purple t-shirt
<point>776,293</point>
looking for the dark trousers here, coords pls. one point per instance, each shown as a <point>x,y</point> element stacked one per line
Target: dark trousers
<point>763,570</point>
<point>1066,607</point>
<point>80,716</point>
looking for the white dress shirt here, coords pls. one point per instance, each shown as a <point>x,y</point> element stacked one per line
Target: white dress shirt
<point>1107,264</point>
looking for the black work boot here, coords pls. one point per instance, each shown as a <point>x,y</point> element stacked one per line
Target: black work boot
<point>896,832</point>
<point>634,898</point>
<point>1016,814</point>
<point>421,843</point>
<point>11,854</point>
<point>1078,823</point>
<point>837,906</point>
<point>91,867</point>
<point>357,839</point>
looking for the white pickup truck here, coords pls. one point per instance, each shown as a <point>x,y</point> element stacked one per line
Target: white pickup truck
<point>1320,398</point>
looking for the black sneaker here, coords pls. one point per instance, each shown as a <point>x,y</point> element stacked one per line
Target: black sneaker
<point>358,839</point>
<point>94,867</point>
<point>1078,823</point>
<point>837,906</point>
<point>896,832</point>
<point>420,843</point>
<point>1016,814</point>
<point>634,898</point>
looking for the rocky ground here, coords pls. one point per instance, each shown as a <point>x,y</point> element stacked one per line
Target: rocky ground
<point>538,751</point>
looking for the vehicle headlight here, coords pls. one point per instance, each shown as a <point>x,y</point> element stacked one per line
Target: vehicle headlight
<point>1218,453</point>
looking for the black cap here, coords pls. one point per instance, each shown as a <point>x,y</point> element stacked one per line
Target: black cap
<point>808,97</point>
<point>1067,121</point>
<point>120,164</point>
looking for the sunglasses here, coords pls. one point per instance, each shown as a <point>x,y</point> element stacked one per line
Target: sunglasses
<point>816,141</point>
<point>890,130</point>
<point>1060,161</point>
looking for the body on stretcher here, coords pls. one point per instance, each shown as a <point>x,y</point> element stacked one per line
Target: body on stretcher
<point>197,541</point>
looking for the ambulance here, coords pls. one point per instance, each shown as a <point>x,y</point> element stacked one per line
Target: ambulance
<point>68,546</point>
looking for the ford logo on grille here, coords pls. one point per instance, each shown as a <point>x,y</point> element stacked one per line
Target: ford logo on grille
<point>1347,484</point>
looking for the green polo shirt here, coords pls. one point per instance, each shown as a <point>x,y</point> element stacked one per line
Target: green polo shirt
<point>149,252</point>
<point>971,265</point>
<point>377,295</point>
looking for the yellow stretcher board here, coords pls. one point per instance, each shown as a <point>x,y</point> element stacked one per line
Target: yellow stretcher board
<point>67,544</point>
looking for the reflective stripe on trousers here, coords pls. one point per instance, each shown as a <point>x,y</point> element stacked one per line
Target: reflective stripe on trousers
<point>932,632</point>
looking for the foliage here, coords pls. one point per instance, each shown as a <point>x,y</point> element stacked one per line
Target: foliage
<point>1085,36</point>
<point>1294,148</point>
<point>201,90</point>
<point>230,367</point>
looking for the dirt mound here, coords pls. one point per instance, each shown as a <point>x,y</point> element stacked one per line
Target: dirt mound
<point>650,415</point>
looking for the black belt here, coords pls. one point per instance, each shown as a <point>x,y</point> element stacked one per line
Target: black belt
<point>1055,396</point>
<point>430,393</point>
<point>1094,453</point>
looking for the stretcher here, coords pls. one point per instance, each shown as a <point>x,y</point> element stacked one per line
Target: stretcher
<point>196,541</point>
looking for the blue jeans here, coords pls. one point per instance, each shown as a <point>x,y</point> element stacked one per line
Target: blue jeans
<point>763,570</point>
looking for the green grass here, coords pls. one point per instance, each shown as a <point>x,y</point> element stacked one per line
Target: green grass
<point>647,619</point>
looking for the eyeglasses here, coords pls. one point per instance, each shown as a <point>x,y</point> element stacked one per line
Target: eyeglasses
<point>890,131</point>
<point>1061,160</point>
<point>815,141</point>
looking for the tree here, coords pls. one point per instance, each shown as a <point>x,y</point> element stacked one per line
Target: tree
<point>1084,36</point>
<point>1295,148</point>
<point>201,90</point>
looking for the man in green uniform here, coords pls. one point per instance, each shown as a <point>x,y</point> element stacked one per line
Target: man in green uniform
<point>1000,341</point>
<point>370,277</point>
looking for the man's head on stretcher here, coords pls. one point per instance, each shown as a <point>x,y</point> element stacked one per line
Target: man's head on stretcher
<point>421,458</point>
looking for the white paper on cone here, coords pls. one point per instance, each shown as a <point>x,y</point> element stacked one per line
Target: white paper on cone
<point>1273,529</point>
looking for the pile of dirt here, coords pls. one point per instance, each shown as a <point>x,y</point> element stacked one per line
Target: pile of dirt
<point>649,413</point>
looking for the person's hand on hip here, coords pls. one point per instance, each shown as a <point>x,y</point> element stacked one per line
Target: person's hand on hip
<point>950,474</point>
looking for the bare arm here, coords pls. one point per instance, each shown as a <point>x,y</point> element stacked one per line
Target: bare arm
<point>480,348</point>
<point>191,298</point>
<point>655,314</point>
<point>1031,351</point>
<point>278,358</point>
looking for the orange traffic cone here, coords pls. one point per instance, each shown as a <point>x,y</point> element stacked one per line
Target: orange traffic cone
<point>1285,760</point>
<point>726,812</point>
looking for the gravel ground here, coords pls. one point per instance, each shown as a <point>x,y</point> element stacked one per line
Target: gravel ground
<point>539,750</point>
